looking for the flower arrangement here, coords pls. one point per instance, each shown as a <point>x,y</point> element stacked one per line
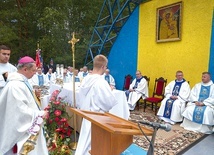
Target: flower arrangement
<point>58,132</point>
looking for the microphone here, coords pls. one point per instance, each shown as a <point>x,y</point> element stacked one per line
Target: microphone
<point>166,127</point>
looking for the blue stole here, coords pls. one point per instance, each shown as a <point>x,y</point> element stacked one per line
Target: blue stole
<point>107,78</point>
<point>169,102</point>
<point>198,113</point>
<point>41,80</point>
<point>84,74</point>
<point>77,79</point>
<point>49,76</point>
<point>137,81</point>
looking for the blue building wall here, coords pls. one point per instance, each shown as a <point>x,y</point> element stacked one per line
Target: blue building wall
<point>123,55</point>
<point>211,61</point>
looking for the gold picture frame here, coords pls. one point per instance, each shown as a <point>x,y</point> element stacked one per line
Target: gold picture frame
<point>168,26</point>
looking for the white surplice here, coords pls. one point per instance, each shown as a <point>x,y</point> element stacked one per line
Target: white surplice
<point>94,95</point>
<point>18,113</point>
<point>5,67</point>
<point>208,119</point>
<point>140,91</point>
<point>178,105</point>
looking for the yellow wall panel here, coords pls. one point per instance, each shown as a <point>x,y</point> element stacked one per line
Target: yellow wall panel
<point>191,54</point>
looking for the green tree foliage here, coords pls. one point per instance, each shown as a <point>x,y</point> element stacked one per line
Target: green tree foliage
<point>23,23</point>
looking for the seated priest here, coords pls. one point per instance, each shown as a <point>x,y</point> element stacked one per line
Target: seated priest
<point>176,94</point>
<point>39,79</point>
<point>66,76</point>
<point>137,89</point>
<point>51,76</point>
<point>82,74</point>
<point>199,113</point>
<point>109,78</point>
<point>76,77</point>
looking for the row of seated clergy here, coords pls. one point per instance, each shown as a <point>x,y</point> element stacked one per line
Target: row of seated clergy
<point>137,89</point>
<point>198,115</point>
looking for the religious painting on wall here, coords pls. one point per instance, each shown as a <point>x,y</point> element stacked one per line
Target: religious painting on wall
<point>168,26</point>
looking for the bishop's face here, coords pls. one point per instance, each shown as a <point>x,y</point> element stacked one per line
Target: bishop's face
<point>29,72</point>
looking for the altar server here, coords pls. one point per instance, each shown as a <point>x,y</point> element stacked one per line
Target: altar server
<point>5,66</point>
<point>95,95</point>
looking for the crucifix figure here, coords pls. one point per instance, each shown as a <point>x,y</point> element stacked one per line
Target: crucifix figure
<point>73,41</point>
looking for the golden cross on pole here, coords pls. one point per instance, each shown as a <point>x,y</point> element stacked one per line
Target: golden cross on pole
<point>73,41</point>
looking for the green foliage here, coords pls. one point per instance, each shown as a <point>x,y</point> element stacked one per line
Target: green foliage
<point>23,23</point>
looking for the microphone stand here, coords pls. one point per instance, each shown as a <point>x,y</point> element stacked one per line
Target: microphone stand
<point>151,143</point>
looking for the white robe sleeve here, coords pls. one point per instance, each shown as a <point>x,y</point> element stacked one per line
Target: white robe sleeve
<point>142,87</point>
<point>168,89</point>
<point>184,92</point>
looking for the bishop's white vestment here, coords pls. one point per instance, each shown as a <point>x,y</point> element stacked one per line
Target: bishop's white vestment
<point>20,117</point>
<point>141,90</point>
<point>5,67</point>
<point>94,95</point>
<point>200,118</point>
<point>171,110</point>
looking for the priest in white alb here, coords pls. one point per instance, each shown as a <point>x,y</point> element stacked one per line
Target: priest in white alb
<point>20,113</point>
<point>94,95</point>
<point>199,113</point>
<point>137,89</point>
<point>176,95</point>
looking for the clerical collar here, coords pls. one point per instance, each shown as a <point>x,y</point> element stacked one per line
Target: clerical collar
<point>180,81</point>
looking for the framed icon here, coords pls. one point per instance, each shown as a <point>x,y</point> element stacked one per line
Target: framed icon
<point>168,27</point>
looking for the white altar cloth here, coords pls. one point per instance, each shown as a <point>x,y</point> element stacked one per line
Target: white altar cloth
<point>120,110</point>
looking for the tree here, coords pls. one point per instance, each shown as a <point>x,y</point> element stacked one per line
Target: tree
<point>50,22</point>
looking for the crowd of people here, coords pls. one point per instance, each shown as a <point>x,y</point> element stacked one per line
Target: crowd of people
<point>194,109</point>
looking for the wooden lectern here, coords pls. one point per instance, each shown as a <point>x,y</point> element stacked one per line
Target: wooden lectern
<point>110,135</point>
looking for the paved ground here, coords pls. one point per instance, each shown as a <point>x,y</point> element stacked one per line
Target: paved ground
<point>204,147</point>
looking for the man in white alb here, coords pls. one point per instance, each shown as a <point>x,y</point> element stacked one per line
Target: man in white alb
<point>137,89</point>
<point>199,113</point>
<point>176,95</point>
<point>109,78</point>
<point>95,95</point>
<point>50,76</point>
<point>39,79</point>
<point>5,66</point>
